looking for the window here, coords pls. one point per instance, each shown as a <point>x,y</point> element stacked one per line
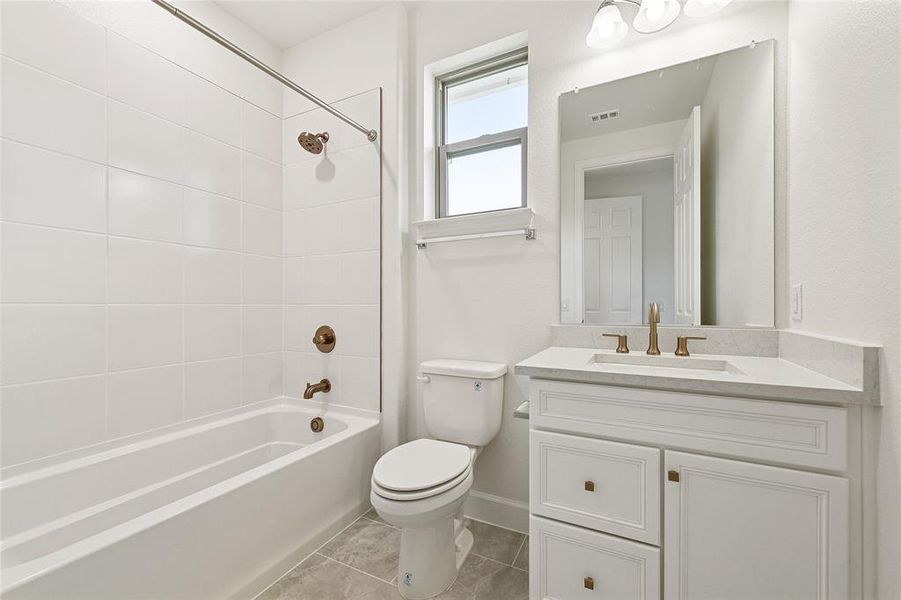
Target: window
<point>482,122</point>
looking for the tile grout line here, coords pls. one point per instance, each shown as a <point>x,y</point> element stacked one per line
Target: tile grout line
<point>352,568</point>
<point>522,545</point>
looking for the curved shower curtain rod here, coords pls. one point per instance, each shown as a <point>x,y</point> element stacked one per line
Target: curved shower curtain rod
<point>371,134</point>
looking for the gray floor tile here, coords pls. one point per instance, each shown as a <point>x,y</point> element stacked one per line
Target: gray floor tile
<point>522,559</point>
<point>485,579</point>
<point>506,584</point>
<point>368,546</point>
<point>374,516</point>
<point>318,578</point>
<point>382,592</point>
<point>372,547</point>
<point>494,542</point>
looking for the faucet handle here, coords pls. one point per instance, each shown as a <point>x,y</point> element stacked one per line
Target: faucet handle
<point>682,343</point>
<point>622,346</point>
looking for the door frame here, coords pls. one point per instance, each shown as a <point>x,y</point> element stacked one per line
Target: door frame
<point>581,167</point>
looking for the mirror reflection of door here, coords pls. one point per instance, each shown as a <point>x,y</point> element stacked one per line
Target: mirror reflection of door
<point>612,260</point>
<point>687,221</point>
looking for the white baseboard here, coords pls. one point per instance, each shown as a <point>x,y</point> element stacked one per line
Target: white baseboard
<point>503,512</point>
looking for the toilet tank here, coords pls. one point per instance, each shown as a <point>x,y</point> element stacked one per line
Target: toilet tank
<point>463,400</point>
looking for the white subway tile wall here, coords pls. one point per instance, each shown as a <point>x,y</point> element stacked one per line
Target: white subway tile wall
<point>128,262</point>
<point>159,259</point>
<point>332,246</point>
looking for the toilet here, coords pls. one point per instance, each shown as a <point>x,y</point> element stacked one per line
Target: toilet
<point>420,486</point>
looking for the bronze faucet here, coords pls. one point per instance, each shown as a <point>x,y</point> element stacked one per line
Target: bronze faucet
<point>312,388</point>
<point>653,319</point>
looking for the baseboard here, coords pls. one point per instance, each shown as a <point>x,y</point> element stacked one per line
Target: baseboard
<point>262,581</point>
<point>503,512</point>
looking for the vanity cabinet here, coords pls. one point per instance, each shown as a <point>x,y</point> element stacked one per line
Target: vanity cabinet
<point>647,494</point>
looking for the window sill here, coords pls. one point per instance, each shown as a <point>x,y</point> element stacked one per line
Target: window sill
<point>474,225</point>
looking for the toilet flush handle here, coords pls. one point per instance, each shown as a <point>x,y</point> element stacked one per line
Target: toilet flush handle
<point>424,378</point>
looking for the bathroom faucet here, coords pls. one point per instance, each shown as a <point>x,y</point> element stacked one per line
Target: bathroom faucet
<point>653,319</point>
<point>323,386</point>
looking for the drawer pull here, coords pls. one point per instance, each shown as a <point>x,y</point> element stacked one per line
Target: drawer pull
<point>589,486</point>
<point>588,582</point>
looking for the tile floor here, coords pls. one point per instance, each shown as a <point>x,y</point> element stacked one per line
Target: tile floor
<point>360,563</point>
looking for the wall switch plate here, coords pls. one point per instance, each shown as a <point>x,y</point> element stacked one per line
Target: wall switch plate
<point>797,303</point>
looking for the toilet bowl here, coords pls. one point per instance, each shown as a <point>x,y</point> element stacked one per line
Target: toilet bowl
<point>420,486</point>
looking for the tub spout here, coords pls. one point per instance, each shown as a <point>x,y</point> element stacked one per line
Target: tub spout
<point>312,388</point>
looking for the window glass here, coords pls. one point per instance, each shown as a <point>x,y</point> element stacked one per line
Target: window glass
<point>490,104</point>
<point>483,181</point>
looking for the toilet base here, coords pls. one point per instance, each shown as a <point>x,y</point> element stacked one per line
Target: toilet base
<point>431,557</point>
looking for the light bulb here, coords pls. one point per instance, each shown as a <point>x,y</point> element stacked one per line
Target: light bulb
<point>654,15</point>
<point>607,28</point>
<point>704,8</point>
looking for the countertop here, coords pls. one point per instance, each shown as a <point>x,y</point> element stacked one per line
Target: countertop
<point>748,376</point>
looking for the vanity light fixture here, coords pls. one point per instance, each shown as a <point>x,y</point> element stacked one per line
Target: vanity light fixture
<point>608,27</point>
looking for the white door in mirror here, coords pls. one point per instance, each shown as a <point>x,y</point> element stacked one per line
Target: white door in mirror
<point>613,260</point>
<point>687,222</point>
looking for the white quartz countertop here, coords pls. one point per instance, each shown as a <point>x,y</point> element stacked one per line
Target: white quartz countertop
<point>745,376</point>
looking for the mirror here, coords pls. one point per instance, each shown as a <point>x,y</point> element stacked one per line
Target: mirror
<point>667,183</point>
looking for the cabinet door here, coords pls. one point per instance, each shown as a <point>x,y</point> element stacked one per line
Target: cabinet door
<point>739,530</point>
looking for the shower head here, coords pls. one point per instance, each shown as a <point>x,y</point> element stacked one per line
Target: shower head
<point>312,142</point>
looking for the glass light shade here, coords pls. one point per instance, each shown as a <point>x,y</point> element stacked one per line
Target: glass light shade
<point>607,28</point>
<point>704,8</point>
<point>654,15</point>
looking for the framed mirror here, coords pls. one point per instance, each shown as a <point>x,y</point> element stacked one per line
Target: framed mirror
<point>667,194</point>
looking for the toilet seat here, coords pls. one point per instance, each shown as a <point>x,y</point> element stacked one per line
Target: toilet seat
<point>421,469</point>
<point>420,494</point>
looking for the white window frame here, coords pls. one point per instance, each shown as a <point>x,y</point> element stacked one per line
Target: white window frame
<point>495,141</point>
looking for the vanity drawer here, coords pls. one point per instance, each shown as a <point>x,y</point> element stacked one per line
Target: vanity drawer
<point>567,562</point>
<point>782,432</point>
<point>603,485</point>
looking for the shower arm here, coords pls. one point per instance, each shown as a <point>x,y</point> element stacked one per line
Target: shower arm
<point>371,134</point>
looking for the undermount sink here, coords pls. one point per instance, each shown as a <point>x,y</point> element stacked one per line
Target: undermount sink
<point>668,362</point>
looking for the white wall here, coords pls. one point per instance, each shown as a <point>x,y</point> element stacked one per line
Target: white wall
<point>349,64</point>
<point>737,164</point>
<point>141,227</point>
<point>845,211</point>
<point>656,190</point>
<point>494,299</point>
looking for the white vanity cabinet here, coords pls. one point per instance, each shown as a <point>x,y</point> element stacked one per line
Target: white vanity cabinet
<point>653,494</point>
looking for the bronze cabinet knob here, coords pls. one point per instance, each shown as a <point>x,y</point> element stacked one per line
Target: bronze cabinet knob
<point>589,486</point>
<point>324,338</point>
<point>588,582</point>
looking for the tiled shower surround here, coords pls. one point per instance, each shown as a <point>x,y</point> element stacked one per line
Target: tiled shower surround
<point>144,278</point>
<point>332,258</point>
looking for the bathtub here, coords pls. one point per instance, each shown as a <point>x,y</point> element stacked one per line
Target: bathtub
<point>215,508</point>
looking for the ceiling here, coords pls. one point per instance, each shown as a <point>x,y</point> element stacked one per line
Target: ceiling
<point>656,97</point>
<point>287,24</point>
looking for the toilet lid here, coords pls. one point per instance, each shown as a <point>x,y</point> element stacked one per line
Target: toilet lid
<point>421,464</point>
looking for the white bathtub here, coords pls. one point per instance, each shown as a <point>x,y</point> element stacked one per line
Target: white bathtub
<point>217,508</point>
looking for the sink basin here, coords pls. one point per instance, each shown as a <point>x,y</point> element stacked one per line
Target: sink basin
<point>667,362</point>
